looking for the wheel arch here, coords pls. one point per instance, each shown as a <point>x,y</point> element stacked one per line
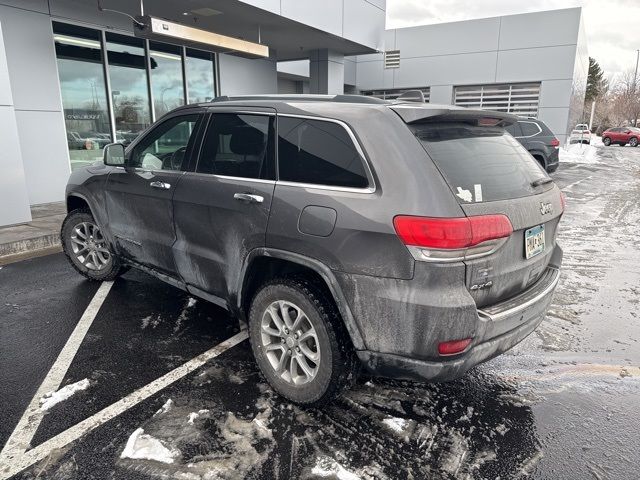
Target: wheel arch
<point>76,201</point>
<point>263,264</point>
<point>540,157</point>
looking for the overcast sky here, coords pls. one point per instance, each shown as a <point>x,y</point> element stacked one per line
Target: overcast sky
<point>612,26</point>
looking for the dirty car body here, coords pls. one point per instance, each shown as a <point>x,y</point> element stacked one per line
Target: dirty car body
<point>433,261</point>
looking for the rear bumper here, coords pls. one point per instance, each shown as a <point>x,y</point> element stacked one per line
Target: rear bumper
<point>498,328</point>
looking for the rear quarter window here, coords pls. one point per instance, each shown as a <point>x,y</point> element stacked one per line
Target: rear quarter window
<point>480,164</point>
<point>318,152</point>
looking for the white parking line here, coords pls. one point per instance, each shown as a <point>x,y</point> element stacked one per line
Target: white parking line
<point>26,428</point>
<point>71,434</point>
<point>15,455</point>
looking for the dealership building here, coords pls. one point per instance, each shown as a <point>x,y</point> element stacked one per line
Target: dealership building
<point>74,78</point>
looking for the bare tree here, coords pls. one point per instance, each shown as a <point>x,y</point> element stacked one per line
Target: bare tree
<point>626,99</point>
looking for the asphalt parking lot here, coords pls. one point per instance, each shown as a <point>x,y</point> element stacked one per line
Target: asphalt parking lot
<point>562,404</point>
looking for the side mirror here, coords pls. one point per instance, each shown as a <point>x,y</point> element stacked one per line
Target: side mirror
<point>114,155</point>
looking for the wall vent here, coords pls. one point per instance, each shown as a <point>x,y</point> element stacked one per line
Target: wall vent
<point>392,59</point>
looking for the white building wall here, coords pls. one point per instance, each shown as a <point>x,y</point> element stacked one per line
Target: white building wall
<point>239,76</point>
<point>13,189</point>
<point>546,47</point>
<point>33,75</point>
<point>360,21</point>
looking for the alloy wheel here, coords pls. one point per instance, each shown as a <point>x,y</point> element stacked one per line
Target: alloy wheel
<point>89,246</point>
<point>290,342</point>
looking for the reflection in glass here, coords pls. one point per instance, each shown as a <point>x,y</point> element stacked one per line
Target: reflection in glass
<point>166,78</point>
<point>128,86</point>
<point>199,71</point>
<point>84,99</point>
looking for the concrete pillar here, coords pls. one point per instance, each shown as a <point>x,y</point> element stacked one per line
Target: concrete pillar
<point>326,72</point>
<point>14,200</point>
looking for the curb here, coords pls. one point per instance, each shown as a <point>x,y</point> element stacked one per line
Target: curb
<point>29,248</point>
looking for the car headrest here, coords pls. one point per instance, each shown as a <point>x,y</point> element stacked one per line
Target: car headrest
<point>246,140</point>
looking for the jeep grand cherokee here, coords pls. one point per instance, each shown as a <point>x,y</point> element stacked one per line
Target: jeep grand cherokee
<point>411,239</point>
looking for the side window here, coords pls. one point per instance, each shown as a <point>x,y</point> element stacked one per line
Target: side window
<point>529,129</point>
<point>318,152</point>
<point>239,145</point>
<point>514,129</point>
<point>165,147</point>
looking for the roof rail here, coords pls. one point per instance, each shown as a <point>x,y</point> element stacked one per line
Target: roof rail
<point>303,97</point>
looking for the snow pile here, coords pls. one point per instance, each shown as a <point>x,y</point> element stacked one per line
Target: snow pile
<point>52,398</point>
<point>328,467</point>
<point>164,408</point>
<point>191,302</point>
<point>194,415</point>
<point>141,446</point>
<point>579,153</point>
<point>398,425</point>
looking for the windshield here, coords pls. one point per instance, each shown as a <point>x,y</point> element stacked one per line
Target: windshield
<point>481,164</point>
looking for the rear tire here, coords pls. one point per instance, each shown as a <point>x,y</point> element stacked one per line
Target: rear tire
<point>606,141</point>
<point>300,343</point>
<point>86,248</point>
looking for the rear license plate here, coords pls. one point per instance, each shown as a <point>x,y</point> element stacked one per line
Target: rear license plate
<point>534,241</point>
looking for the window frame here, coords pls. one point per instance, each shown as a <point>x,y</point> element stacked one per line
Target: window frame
<point>371,188</point>
<point>529,136</point>
<point>210,112</point>
<point>192,146</point>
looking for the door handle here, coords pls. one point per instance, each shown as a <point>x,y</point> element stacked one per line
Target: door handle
<point>161,185</point>
<point>248,197</point>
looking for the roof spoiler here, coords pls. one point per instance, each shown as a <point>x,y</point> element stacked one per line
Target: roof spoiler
<point>448,113</point>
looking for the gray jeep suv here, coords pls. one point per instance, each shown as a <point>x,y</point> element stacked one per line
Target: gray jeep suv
<point>411,239</point>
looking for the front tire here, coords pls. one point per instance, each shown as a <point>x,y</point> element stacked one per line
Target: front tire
<point>606,141</point>
<point>86,248</point>
<point>633,142</point>
<point>300,343</point>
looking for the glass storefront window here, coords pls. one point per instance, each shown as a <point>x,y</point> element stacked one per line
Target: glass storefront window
<point>166,77</point>
<point>81,69</point>
<point>199,72</point>
<point>84,98</point>
<point>128,75</point>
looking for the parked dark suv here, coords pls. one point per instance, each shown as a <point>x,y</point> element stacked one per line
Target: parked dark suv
<point>536,137</point>
<point>415,240</point>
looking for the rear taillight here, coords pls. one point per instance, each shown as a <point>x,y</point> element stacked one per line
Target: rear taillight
<point>453,347</point>
<point>555,143</point>
<point>450,239</point>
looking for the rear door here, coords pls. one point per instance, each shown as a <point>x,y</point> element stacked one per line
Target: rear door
<point>138,197</point>
<point>491,173</point>
<point>221,206</point>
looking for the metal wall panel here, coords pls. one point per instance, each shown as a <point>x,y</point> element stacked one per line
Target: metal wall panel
<point>448,38</point>
<point>547,63</point>
<point>13,188</point>
<point>240,76</point>
<point>540,29</point>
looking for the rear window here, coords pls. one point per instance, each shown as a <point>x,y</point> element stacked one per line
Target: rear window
<point>480,164</point>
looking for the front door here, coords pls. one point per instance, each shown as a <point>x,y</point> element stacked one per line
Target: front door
<point>222,208</point>
<point>138,197</point>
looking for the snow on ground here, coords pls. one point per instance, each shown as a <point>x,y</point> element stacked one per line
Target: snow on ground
<point>328,467</point>
<point>142,446</point>
<point>52,398</point>
<point>579,153</point>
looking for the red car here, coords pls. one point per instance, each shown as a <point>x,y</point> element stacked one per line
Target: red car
<point>621,136</point>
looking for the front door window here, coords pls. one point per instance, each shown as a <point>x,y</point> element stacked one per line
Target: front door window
<point>166,146</point>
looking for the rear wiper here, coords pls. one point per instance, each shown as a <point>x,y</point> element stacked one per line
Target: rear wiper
<point>541,181</point>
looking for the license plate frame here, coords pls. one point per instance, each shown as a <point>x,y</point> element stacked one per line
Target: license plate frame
<point>534,241</point>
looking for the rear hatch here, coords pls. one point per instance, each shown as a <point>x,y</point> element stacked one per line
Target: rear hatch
<point>490,173</point>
